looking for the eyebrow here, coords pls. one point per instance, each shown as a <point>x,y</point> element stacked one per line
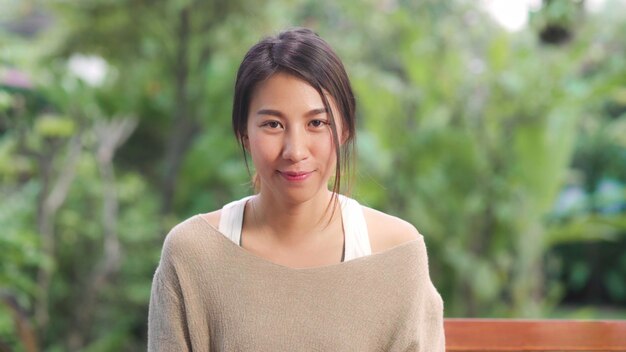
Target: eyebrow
<point>277,113</point>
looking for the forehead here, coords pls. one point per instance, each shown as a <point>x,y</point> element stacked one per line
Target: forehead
<point>282,90</point>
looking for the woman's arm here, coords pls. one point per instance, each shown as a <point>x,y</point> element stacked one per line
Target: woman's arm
<point>432,332</point>
<point>167,324</point>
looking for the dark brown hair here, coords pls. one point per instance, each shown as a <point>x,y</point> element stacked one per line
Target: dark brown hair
<point>302,53</point>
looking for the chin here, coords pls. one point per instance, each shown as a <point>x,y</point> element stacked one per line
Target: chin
<point>297,195</point>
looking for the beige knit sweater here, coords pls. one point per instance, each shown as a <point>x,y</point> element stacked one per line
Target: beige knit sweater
<point>208,294</point>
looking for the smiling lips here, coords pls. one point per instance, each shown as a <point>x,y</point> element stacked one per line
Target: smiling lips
<point>295,176</point>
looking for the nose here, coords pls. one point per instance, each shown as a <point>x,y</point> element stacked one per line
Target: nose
<point>295,147</point>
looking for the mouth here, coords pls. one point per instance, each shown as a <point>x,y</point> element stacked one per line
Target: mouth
<point>295,176</point>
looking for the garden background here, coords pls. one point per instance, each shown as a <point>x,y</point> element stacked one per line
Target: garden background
<point>504,143</point>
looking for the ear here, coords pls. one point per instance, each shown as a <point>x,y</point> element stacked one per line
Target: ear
<point>246,142</point>
<point>344,137</point>
<point>344,134</point>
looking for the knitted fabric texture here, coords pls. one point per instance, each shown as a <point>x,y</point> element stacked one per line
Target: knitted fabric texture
<point>209,294</point>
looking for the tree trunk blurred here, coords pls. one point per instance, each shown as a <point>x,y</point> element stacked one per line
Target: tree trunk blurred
<point>25,331</point>
<point>184,127</point>
<point>50,200</point>
<point>110,136</point>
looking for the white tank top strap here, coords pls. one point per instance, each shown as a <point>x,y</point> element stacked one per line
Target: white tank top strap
<point>231,219</point>
<point>356,237</point>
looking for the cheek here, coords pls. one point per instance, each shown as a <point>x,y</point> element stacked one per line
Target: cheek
<point>327,150</point>
<point>262,150</point>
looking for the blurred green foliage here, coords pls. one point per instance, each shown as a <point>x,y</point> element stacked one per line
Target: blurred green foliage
<point>506,149</point>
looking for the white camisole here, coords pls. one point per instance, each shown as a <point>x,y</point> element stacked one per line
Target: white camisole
<point>356,238</point>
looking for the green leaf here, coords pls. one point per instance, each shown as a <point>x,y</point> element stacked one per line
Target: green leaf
<point>54,126</point>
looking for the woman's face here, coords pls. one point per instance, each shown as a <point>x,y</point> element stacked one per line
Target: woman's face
<point>290,139</point>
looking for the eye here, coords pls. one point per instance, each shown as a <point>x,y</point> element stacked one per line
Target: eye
<point>272,124</point>
<point>318,123</point>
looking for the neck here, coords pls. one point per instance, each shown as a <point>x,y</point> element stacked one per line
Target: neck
<point>293,222</point>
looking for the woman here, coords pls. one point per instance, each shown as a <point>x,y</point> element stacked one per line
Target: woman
<point>295,266</point>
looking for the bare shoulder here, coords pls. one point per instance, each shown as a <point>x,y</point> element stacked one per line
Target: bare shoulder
<point>213,218</point>
<point>387,231</point>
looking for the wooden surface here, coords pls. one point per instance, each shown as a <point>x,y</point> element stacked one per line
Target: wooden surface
<point>534,335</point>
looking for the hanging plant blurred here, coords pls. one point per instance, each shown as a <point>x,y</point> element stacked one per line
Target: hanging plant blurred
<point>555,20</point>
